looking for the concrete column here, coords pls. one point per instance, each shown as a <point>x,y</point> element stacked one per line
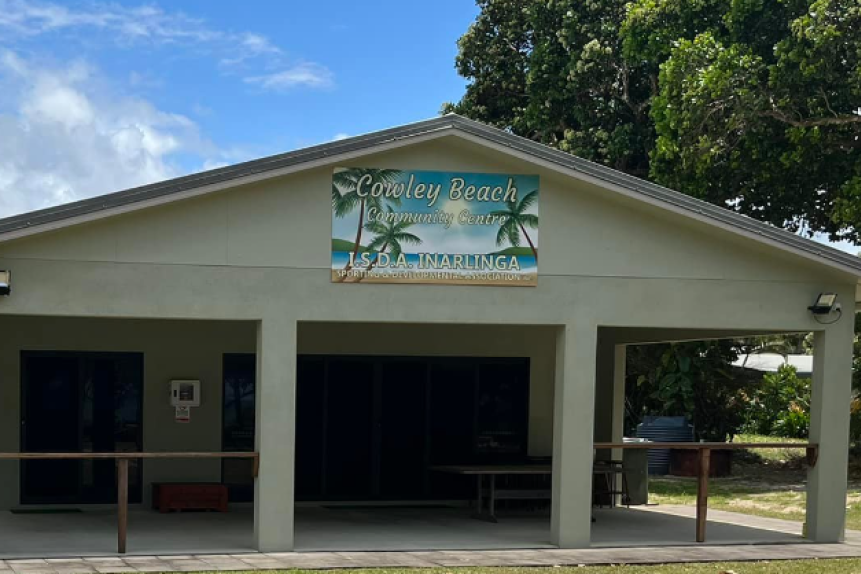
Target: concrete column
<point>275,435</point>
<point>829,428</point>
<point>619,367</point>
<point>573,420</point>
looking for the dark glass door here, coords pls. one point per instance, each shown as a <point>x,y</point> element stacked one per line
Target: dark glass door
<point>402,428</point>
<point>51,423</point>
<point>238,423</point>
<point>371,427</point>
<point>452,425</point>
<point>501,419</point>
<point>79,402</point>
<point>350,454</point>
<point>310,428</point>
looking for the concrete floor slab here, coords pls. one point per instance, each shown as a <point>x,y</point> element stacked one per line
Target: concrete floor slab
<point>670,525</point>
<point>339,538</point>
<point>400,529</point>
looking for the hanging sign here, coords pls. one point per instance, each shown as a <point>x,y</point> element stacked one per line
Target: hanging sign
<point>395,226</point>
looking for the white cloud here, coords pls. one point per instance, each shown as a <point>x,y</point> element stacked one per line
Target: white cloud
<point>67,135</point>
<point>304,74</point>
<point>340,136</point>
<point>259,44</point>
<point>250,55</point>
<point>149,22</point>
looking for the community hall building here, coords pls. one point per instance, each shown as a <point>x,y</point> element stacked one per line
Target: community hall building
<point>368,316</point>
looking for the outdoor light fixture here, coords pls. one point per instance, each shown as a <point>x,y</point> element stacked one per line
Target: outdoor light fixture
<point>5,282</point>
<point>826,303</point>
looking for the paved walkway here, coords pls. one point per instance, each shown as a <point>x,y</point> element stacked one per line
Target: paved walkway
<point>448,559</point>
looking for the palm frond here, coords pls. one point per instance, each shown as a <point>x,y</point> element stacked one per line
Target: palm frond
<point>384,175</point>
<point>344,203</point>
<point>337,198</point>
<point>349,178</point>
<point>401,225</point>
<point>513,232</point>
<point>529,220</point>
<point>376,243</point>
<point>407,238</point>
<point>346,179</point>
<point>508,233</point>
<point>376,227</point>
<point>501,235</point>
<point>377,202</point>
<point>528,200</point>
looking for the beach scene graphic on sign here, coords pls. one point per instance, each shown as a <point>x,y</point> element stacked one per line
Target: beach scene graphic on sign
<point>398,226</point>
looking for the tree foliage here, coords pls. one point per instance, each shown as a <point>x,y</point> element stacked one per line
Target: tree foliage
<point>690,379</point>
<point>855,405</point>
<point>779,405</point>
<point>749,104</point>
<point>699,381</point>
<point>552,71</point>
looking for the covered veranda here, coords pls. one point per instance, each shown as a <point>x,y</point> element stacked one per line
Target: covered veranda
<point>341,526</point>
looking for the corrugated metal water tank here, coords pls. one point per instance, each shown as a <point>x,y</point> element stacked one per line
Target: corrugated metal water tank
<point>664,429</point>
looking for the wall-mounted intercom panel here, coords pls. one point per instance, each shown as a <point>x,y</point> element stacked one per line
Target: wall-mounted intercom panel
<point>185,393</point>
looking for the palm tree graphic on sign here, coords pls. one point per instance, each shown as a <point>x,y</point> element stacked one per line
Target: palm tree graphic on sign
<point>516,221</point>
<point>389,236</point>
<point>345,197</point>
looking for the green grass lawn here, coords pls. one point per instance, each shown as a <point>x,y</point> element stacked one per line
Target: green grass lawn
<point>786,567</point>
<point>767,482</point>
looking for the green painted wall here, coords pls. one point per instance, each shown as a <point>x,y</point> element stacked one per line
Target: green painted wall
<point>172,350</point>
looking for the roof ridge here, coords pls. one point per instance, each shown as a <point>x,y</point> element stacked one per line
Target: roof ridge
<point>201,178</point>
<point>661,192</point>
<point>696,207</point>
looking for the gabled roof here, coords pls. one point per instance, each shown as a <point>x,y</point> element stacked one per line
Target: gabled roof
<point>451,124</point>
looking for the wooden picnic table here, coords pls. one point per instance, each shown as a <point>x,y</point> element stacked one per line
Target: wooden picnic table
<point>704,463</point>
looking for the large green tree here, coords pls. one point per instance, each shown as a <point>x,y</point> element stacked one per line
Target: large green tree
<point>749,104</point>
<point>553,71</point>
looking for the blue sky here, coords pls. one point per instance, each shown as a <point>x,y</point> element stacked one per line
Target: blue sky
<point>100,96</point>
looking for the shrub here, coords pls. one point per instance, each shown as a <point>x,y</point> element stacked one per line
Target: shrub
<point>780,405</point>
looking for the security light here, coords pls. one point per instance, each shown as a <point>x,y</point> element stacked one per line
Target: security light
<point>825,304</point>
<point>5,282</point>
